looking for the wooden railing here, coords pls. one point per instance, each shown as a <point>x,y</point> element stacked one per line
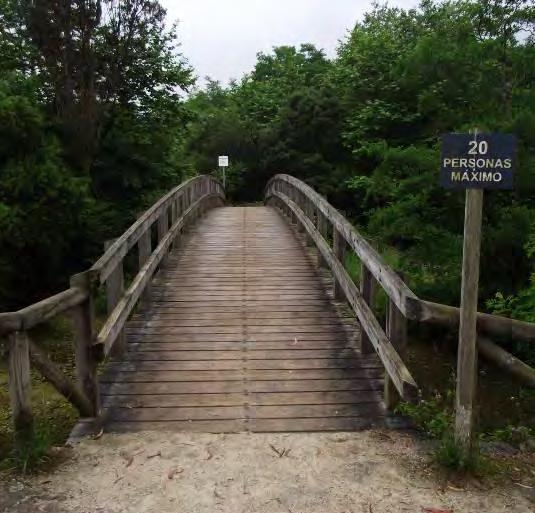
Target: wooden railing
<point>333,235</point>
<point>179,208</point>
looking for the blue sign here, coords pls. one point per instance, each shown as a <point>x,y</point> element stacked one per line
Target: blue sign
<point>477,161</point>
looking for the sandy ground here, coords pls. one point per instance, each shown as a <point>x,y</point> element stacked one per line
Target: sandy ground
<point>157,472</point>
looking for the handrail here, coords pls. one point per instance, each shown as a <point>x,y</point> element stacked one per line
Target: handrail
<point>394,366</point>
<point>181,205</point>
<point>107,262</point>
<point>314,210</point>
<point>397,290</point>
<point>410,305</point>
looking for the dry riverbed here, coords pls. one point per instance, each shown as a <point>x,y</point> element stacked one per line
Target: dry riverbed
<point>158,472</point>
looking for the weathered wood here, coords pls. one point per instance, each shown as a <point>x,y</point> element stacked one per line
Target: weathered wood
<point>144,246</point>
<point>114,291</point>
<point>394,366</point>
<point>398,291</point>
<point>115,322</point>
<point>244,348</point>
<point>323,228</point>
<point>51,372</point>
<point>83,316</point>
<point>107,262</point>
<point>41,311</point>
<point>494,325</point>
<point>339,251</point>
<point>19,382</point>
<point>465,403</point>
<point>506,361</point>
<point>163,227</point>
<point>396,331</point>
<point>368,290</point>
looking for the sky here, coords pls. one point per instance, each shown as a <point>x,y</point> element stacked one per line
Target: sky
<point>220,38</point>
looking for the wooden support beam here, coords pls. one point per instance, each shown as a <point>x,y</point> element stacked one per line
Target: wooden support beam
<point>339,250</point>
<point>163,227</point>
<point>19,380</point>
<point>368,289</point>
<point>52,373</point>
<point>144,247</point>
<point>396,331</point>
<point>86,362</point>
<point>323,228</point>
<point>114,292</point>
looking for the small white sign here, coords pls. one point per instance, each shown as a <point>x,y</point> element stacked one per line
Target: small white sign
<point>223,161</point>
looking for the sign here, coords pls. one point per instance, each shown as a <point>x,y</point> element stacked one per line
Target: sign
<point>223,161</point>
<point>477,161</point>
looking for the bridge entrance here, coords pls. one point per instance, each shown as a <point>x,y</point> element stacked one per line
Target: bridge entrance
<point>242,334</point>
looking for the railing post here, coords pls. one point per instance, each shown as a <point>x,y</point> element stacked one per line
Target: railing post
<point>20,389</point>
<point>83,316</point>
<point>367,290</point>
<point>396,331</point>
<point>323,228</point>
<point>114,292</point>
<point>163,226</point>
<point>339,250</point>
<point>309,212</point>
<point>144,248</point>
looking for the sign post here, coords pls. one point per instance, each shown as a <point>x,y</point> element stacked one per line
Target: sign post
<point>222,161</point>
<point>473,162</point>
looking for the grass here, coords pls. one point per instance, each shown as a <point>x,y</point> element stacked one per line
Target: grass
<point>54,416</point>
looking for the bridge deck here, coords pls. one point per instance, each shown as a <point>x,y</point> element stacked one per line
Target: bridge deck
<point>242,335</point>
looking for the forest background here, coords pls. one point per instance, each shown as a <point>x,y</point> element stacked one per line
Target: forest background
<point>99,116</point>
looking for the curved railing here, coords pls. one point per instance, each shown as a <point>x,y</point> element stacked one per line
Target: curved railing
<point>332,234</point>
<point>172,213</point>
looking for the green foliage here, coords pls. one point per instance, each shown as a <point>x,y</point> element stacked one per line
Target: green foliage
<point>434,415</point>
<point>82,153</point>
<point>364,130</point>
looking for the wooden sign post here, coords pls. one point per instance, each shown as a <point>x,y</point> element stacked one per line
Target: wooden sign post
<point>222,161</point>
<point>473,162</point>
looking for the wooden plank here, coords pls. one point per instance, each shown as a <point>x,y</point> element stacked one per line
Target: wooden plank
<point>197,413</point>
<point>253,355</point>
<point>19,383</point>
<point>318,424</point>
<point>201,426</point>
<point>158,365</point>
<point>238,399</point>
<point>236,375</point>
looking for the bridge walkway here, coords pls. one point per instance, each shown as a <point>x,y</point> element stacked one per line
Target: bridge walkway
<point>242,334</point>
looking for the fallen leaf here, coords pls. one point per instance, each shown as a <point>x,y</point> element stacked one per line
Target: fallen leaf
<point>98,435</point>
<point>435,510</point>
<point>455,489</point>
<point>174,471</point>
<point>524,486</point>
<point>129,461</point>
<point>150,456</point>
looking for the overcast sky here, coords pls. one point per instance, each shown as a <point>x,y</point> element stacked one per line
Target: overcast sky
<point>220,38</point>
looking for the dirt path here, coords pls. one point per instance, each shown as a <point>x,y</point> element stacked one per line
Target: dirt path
<point>365,472</point>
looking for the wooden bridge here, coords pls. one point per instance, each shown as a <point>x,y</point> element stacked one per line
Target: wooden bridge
<point>239,319</point>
